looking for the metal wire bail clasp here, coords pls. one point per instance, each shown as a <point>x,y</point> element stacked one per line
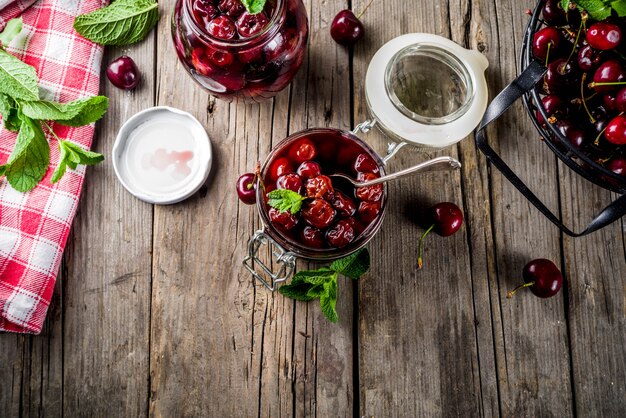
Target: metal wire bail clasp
<point>286,261</point>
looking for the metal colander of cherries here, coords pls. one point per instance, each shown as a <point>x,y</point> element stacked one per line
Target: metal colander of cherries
<point>583,92</point>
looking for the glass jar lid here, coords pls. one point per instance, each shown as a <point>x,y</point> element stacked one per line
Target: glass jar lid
<point>426,90</point>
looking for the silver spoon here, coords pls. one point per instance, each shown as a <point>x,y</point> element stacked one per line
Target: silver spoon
<point>439,163</point>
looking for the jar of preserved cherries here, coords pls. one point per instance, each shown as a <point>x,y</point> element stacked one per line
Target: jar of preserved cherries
<point>238,55</point>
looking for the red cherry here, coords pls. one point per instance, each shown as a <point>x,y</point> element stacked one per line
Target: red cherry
<point>303,150</point>
<point>369,193</point>
<point>615,131</point>
<point>619,100</point>
<point>545,42</point>
<point>246,188</point>
<point>318,213</point>
<point>589,58</point>
<point>279,167</point>
<point>123,73</point>
<point>369,211</point>
<point>610,71</point>
<point>552,104</point>
<point>309,169</point>
<point>365,163</point>
<point>343,204</point>
<point>290,181</point>
<point>318,187</point>
<point>346,29</point>
<point>199,61</point>
<point>542,277</point>
<point>283,220</point>
<point>249,25</point>
<point>232,8</point>
<point>604,36</point>
<point>356,225</point>
<point>219,57</point>
<point>617,165</point>
<point>446,219</point>
<point>222,28</point>
<point>340,234</point>
<point>204,10</point>
<point>312,237</point>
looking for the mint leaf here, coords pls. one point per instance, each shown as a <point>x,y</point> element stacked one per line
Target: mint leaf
<point>597,9</point>
<point>75,113</point>
<point>124,22</point>
<point>11,30</point>
<point>17,79</point>
<point>565,4</point>
<point>313,276</point>
<point>3,169</point>
<point>29,160</point>
<point>328,301</point>
<point>285,200</point>
<point>71,154</point>
<point>8,111</point>
<point>620,7</point>
<point>254,6</point>
<point>354,265</point>
<point>297,291</point>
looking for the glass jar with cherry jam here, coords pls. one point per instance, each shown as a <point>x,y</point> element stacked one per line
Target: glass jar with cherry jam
<point>237,55</point>
<point>336,218</point>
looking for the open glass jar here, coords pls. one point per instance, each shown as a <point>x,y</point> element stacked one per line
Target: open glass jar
<point>236,55</point>
<point>422,90</point>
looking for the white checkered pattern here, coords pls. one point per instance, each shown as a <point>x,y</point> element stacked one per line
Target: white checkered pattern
<point>34,226</point>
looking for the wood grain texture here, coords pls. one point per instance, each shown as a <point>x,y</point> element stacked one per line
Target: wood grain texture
<point>153,314</point>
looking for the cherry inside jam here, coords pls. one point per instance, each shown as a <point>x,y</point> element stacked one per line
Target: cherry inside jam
<point>334,213</point>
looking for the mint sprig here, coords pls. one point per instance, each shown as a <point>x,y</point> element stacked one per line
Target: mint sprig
<point>597,9</point>
<point>123,22</point>
<point>322,283</point>
<point>254,6</point>
<point>285,200</point>
<point>23,112</point>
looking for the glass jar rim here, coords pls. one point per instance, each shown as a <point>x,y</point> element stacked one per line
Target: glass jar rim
<point>269,31</point>
<point>328,253</point>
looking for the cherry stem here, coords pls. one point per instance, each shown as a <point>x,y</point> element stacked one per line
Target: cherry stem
<point>364,10</point>
<point>512,292</point>
<point>611,83</point>
<point>580,28</point>
<point>421,247</point>
<point>582,96</point>
<point>548,53</point>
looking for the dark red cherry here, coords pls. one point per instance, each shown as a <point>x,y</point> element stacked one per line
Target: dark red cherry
<point>356,225</point>
<point>546,41</point>
<point>246,189</point>
<point>617,165</point>
<point>343,204</point>
<point>290,181</point>
<point>346,29</point>
<point>609,101</point>
<point>562,77</point>
<point>610,71</point>
<point>369,211</point>
<point>553,105</point>
<point>604,36</point>
<point>312,237</point>
<point>447,218</point>
<point>302,150</point>
<point>620,100</point>
<point>232,8</point>
<point>279,167</point>
<point>542,277</point>
<point>615,131</point>
<point>553,13</point>
<point>340,234</point>
<point>284,220</point>
<point>204,11</point>
<point>318,187</point>
<point>219,57</point>
<point>200,61</point>
<point>318,213</point>
<point>369,193</point>
<point>364,163</point>
<point>589,58</point>
<point>309,169</point>
<point>249,25</point>
<point>123,73</point>
<point>222,28</point>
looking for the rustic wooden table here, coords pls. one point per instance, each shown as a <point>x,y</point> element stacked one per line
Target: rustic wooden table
<point>153,313</point>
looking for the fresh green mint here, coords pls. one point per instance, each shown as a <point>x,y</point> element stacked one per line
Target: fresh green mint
<point>11,30</point>
<point>124,22</point>
<point>285,200</point>
<point>597,9</point>
<point>23,112</point>
<point>322,283</point>
<point>254,6</point>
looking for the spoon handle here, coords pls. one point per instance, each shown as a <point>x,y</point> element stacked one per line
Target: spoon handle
<point>436,164</point>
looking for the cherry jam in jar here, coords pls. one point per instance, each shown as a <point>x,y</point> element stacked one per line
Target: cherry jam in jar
<point>237,55</point>
<point>336,218</point>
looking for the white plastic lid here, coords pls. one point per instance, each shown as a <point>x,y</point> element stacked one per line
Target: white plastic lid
<point>407,124</point>
<point>162,155</point>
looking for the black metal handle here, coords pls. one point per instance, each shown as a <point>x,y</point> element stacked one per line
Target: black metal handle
<point>521,85</point>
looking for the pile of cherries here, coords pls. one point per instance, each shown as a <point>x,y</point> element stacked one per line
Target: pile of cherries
<point>334,213</point>
<point>585,85</point>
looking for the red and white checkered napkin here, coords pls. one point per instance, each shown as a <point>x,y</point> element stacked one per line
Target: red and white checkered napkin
<point>34,226</point>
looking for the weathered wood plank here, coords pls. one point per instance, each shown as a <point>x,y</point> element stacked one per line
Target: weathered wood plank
<point>595,271</point>
<point>106,289</point>
<point>417,357</point>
